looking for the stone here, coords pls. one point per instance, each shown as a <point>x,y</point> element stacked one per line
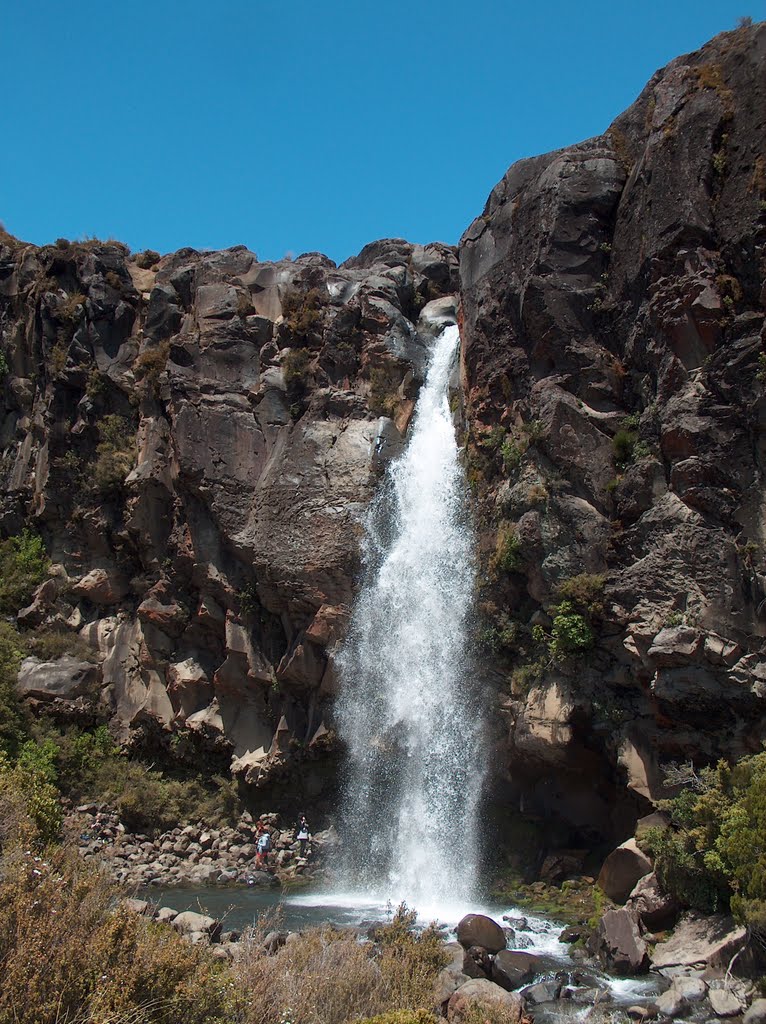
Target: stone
<point>65,678</point>
<point>725,1003</point>
<point>621,871</point>
<point>191,923</point>
<point>756,1012</point>
<point>479,930</point>
<point>102,586</point>
<point>483,994</point>
<point>136,906</point>
<point>620,944</point>
<point>447,981</point>
<point>542,992</point>
<point>511,969</point>
<point>672,1003</point>
<point>699,940</point>
<point>656,909</point>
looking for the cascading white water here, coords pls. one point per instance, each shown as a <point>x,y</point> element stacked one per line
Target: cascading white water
<point>407,710</point>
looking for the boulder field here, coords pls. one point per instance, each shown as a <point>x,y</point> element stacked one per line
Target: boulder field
<point>196,436</point>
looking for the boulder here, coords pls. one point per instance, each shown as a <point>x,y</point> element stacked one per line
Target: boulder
<point>479,930</point>
<point>102,586</point>
<point>698,941</point>
<point>657,910</point>
<point>619,943</point>
<point>65,678</point>
<point>475,996</point>
<point>756,1012</point>
<point>542,992</point>
<point>621,871</point>
<point>477,963</point>
<point>447,982</point>
<point>511,968</point>
<point>725,1003</point>
<point>193,924</point>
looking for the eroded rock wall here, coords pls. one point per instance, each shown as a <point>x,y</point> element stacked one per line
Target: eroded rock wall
<point>195,437</point>
<point>613,309</point>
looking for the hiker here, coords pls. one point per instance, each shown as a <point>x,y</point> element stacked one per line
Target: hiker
<point>262,849</point>
<point>302,834</point>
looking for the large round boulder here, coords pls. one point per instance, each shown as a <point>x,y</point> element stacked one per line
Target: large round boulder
<point>622,869</point>
<point>478,930</point>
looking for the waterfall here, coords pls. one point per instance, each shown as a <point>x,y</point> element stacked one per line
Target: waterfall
<point>407,709</point>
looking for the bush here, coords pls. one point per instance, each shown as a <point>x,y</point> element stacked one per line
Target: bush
<point>115,454</point>
<point>296,370</point>
<point>13,727</point>
<point>303,312</point>
<point>328,977</point>
<point>48,644</point>
<point>384,390</point>
<point>713,856</point>
<point>570,633</point>
<point>150,365</point>
<point>584,591</point>
<point>69,955</point>
<point>623,444</point>
<point>147,259</point>
<point>32,780</point>
<point>508,549</point>
<point>23,566</point>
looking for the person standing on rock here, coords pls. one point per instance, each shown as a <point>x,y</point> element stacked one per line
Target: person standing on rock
<point>264,845</point>
<point>302,834</point>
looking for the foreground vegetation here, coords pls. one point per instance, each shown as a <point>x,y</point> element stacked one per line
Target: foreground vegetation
<point>70,951</point>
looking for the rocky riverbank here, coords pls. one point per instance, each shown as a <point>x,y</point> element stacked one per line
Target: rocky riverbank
<point>198,854</point>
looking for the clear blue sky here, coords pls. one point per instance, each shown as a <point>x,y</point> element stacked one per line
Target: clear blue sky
<point>293,126</point>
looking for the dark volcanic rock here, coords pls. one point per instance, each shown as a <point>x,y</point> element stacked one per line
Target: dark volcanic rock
<point>479,930</point>
<point>612,303</point>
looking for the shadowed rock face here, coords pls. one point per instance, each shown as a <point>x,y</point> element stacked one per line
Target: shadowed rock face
<point>195,438</point>
<point>612,301</point>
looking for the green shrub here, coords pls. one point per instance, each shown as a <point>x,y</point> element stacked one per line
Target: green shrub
<point>570,633</point>
<point>115,454</point>
<point>713,857</point>
<point>13,726</point>
<point>32,778</point>
<point>508,549</point>
<point>511,454</point>
<point>296,370</point>
<point>584,591</point>
<point>23,566</point>
<point>623,443</point>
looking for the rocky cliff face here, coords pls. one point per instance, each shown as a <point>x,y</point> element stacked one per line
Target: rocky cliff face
<point>613,309</point>
<point>195,438</point>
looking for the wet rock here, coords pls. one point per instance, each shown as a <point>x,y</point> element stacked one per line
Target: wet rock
<point>477,963</point>
<point>542,992</point>
<point>479,930</point>
<point>619,943</point>
<point>511,968</point>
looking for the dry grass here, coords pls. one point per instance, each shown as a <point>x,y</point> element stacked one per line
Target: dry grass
<point>328,977</point>
<point>70,954</point>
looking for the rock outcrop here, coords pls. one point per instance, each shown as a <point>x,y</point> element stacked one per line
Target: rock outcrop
<point>195,437</point>
<point>612,322</point>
